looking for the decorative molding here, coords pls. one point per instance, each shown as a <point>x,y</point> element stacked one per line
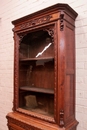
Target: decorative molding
<point>36,22</point>
<point>45,118</point>
<point>61,118</point>
<point>61,21</point>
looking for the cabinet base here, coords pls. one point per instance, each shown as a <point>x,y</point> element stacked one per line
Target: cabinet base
<point>17,121</point>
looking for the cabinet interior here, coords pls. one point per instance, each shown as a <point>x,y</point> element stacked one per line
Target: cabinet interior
<point>36,73</point>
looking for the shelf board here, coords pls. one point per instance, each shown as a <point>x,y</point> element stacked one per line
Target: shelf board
<point>35,89</point>
<point>29,59</point>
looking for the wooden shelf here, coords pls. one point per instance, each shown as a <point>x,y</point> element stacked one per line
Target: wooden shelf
<point>31,59</point>
<point>34,89</point>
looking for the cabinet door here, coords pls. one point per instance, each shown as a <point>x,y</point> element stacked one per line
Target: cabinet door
<point>36,73</point>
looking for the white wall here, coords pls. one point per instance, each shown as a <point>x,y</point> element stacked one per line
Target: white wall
<point>13,9</point>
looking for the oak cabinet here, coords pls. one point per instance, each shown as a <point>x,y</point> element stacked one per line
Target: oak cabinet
<point>44,70</point>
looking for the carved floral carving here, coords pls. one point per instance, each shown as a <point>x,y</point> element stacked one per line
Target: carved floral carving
<point>36,22</point>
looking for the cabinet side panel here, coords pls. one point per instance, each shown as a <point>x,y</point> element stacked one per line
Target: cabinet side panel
<point>69,91</point>
<point>70,47</point>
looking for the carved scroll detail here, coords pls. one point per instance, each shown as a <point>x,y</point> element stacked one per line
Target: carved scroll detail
<point>61,118</point>
<point>21,37</point>
<point>61,21</point>
<point>51,33</point>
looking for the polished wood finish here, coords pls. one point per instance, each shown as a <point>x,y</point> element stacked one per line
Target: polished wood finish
<point>44,70</point>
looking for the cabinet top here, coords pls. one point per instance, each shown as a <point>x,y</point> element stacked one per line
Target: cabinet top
<point>52,9</point>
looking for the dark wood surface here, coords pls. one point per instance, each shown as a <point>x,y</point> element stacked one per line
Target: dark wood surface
<point>44,60</point>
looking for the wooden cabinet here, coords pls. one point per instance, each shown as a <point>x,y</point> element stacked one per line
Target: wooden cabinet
<point>44,70</point>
